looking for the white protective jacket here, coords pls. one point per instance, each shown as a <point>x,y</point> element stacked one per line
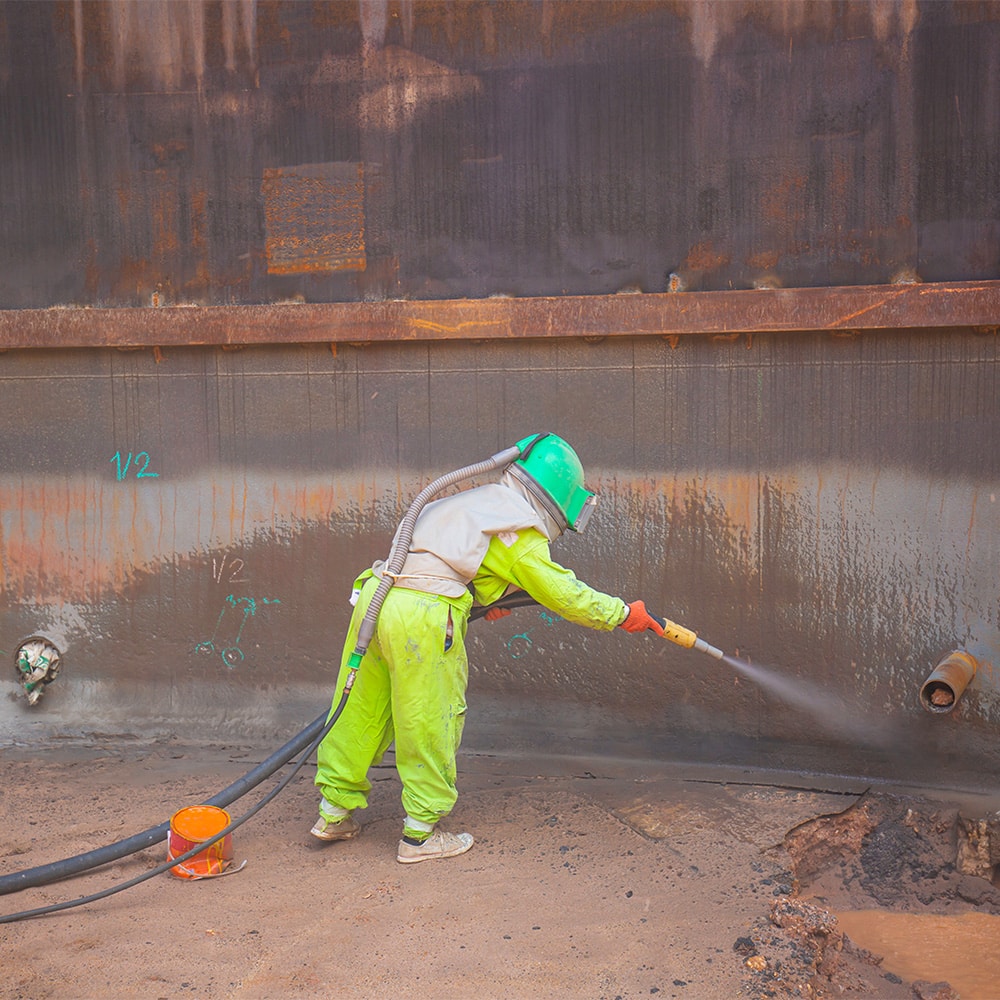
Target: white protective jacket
<point>451,535</point>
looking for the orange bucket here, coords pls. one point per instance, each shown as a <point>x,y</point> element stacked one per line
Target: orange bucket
<point>190,827</point>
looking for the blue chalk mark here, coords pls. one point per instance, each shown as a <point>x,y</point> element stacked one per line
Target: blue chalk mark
<point>232,655</point>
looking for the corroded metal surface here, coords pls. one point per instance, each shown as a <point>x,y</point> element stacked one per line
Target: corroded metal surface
<point>243,153</point>
<point>842,310</point>
<point>187,532</point>
<point>654,227</point>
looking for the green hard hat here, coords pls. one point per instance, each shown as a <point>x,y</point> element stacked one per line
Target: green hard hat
<point>551,470</point>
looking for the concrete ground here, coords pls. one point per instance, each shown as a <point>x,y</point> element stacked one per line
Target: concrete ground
<point>588,879</point>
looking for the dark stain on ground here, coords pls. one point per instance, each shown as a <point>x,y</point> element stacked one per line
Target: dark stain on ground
<point>891,852</point>
<point>882,852</point>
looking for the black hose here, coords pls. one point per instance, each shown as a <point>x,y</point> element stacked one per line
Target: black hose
<point>518,599</point>
<point>57,870</point>
<point>202,845</point>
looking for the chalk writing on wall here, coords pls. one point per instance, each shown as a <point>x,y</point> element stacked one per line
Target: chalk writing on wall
<point>229,650</point>
<point>518,645</point>
<point>140,467</point>
<point>230,568</point>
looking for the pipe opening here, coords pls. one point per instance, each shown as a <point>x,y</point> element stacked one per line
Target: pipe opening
<point>941,691</point>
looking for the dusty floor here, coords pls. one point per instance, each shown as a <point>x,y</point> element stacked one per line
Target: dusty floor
<point>589,879</point>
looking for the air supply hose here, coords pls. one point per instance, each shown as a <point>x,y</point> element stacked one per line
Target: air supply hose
<point>310,737</point>
<point>10,918</point>
<point>404,535</point>
<point>112,852</point>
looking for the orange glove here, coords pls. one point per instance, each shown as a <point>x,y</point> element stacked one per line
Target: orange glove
<point>639,619</point>
<point>495,614</point>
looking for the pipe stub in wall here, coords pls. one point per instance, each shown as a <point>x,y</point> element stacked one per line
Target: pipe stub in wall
<point>942,689</point>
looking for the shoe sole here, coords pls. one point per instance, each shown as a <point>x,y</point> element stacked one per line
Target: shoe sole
<point>339,836</point>
<point>432,857</point>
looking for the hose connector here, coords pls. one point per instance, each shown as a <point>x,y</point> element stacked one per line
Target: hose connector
<point>688,639</point>
<point>679,634</point>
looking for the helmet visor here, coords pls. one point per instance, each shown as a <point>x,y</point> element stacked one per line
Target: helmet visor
<point>586,511</point>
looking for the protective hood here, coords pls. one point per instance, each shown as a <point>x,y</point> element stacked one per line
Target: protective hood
<point>451,537</point>
<point>552,529</point>
<point>549,468</point>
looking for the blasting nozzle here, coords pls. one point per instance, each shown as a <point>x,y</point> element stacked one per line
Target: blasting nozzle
<point>688,639</point>
<point>704,647</point>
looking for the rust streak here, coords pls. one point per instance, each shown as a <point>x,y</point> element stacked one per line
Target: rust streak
<point>454,329</point>
<point>850,317</point>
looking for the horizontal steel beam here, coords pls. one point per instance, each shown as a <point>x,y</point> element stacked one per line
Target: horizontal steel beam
<point>965,304</point>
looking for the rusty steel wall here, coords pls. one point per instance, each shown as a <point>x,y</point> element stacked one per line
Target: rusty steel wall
<point>186,532</point>
<point>744,255</point>
<point>160,152</point>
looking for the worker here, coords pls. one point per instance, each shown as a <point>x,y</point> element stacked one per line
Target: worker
<point>476,545</point>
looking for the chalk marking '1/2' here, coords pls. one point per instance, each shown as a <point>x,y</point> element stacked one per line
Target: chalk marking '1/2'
<point>140,473</point>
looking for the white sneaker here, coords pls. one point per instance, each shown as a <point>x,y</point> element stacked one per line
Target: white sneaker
<point>345,829</point>
<point>437,845</point>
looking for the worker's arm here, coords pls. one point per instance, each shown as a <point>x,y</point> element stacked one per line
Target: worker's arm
<point>527,565</point>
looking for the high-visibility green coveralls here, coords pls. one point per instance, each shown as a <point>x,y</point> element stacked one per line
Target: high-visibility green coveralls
<point>410,687</point>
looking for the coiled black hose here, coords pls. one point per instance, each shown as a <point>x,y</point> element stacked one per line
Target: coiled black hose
<point>124,847</point>
<point>310,738</point>
<point>57,870</point>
